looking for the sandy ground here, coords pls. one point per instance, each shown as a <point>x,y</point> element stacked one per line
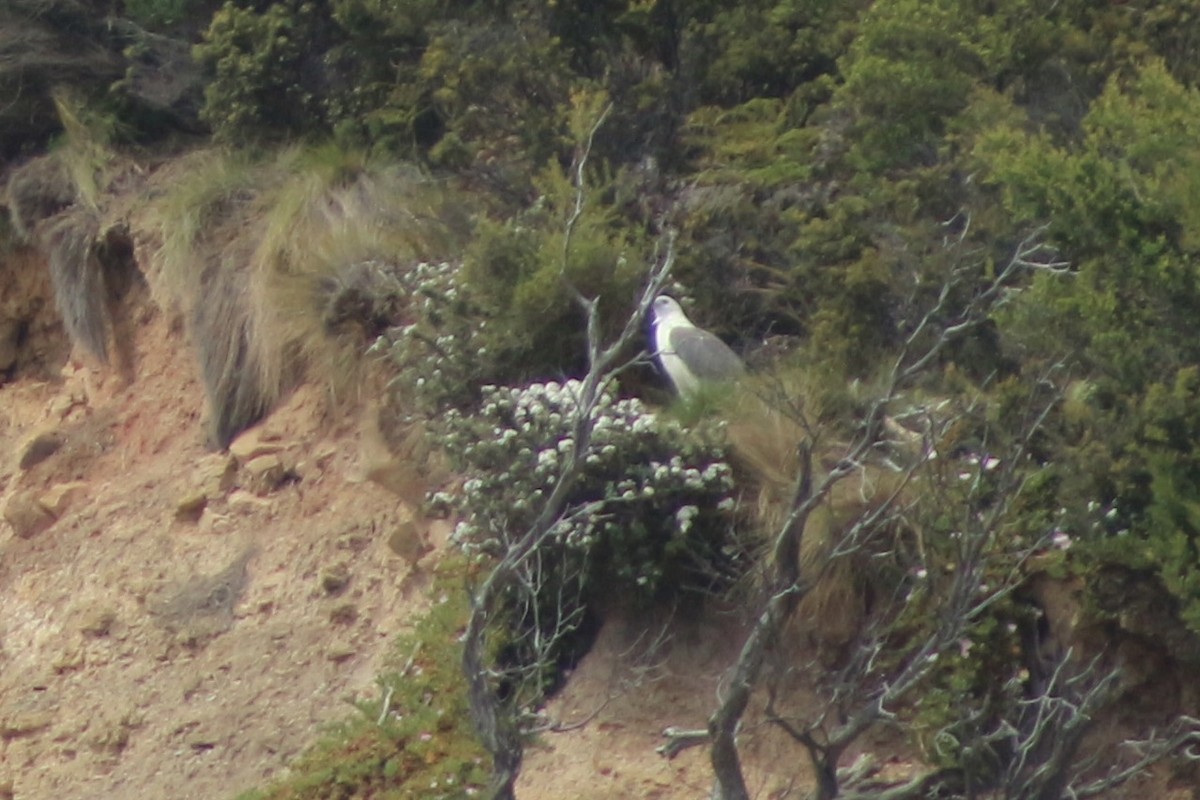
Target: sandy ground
<point>146,655</point>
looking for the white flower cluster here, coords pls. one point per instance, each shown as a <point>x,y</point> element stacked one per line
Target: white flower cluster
<point>644,481</point>
<point>439,345</point>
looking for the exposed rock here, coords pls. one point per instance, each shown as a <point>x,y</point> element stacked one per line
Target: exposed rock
<point>203,606</point>
<point>214,475</point>
<point>245,501</point>
<point>98,622</point>
<point>344,614</point>
<point>340,652</point>
<point>406,538</point>
<point>254,443</point>
<point>68,660</point>
<point>264,474</point>
<point>26,515</point>
<point>59,406</point>
<point>335,578</point>
<point>191,506</point>
<point>112,735</point>
<point>324,455</point>
<point>39,448</point>
<point>25,723</point>
<point>58,498</point>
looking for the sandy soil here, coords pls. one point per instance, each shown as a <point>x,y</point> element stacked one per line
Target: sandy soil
<point>144,654</point>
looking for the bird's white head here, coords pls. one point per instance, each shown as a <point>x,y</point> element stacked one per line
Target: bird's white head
<point>667,309</point>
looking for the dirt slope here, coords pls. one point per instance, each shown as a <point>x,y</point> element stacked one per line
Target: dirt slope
<point>152,649</point>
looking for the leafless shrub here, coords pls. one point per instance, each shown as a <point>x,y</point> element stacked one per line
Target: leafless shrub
<point>944,585</point>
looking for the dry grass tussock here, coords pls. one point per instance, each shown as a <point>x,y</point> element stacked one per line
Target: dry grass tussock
<point>771,418</point>
<point>285,267</point>
<point>78,171</point>
<point>80,292</point>
<point>55,202</point>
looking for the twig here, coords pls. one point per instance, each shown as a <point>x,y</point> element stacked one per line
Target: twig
<point>387,705</point>
<point>680,739</point>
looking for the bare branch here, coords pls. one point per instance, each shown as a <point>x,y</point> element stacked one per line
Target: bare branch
<point>1181,739</point>
<point>965,602</point>
<point>680,739</point>
<point>518,565</point>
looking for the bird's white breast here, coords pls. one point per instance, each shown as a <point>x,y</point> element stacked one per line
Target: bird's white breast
<point>684,380</point>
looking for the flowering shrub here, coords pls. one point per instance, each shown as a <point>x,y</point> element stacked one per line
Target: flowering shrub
<point>650,512</point>
<point>441,350</point>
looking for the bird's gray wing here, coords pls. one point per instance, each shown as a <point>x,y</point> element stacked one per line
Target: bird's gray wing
<point>706,356</point>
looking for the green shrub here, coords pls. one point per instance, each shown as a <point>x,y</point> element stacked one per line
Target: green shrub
<point>261,66</point>
<point>507,313</point>
<point>160,14</point>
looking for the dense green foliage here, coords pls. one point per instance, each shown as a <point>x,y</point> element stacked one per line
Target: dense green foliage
<point>255,60</point>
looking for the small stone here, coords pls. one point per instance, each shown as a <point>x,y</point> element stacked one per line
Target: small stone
<point>57,498</point>
<point>61,406</point>
<point>68,661</point>
<point>25,723</point>
<point>26,515</point>
<point>191,506</point>
<point>340,652</point>
<point>113,737</point>
<point>344,614</point>
<point>39,448</point>
<point>98,622</point>
<point>253,444</point>
<point>214,475</point>
<point>324,455</point>
<point>245,501</point>
<point>406,539</point>
<point>264,473</point>
<point>335,579</point>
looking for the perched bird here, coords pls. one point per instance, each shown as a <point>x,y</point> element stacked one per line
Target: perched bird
<point>690,356</point>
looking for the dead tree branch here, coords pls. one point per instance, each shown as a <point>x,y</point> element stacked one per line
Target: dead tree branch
<point>929,338</point>
<point>516,569</point>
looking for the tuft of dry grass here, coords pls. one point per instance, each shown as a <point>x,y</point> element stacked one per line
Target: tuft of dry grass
<point>80,291</point>
<point>36,191</point>
<point>776,413</point>
<point>55,201</point>
<point>272,260</point>
<point>85,147</point>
